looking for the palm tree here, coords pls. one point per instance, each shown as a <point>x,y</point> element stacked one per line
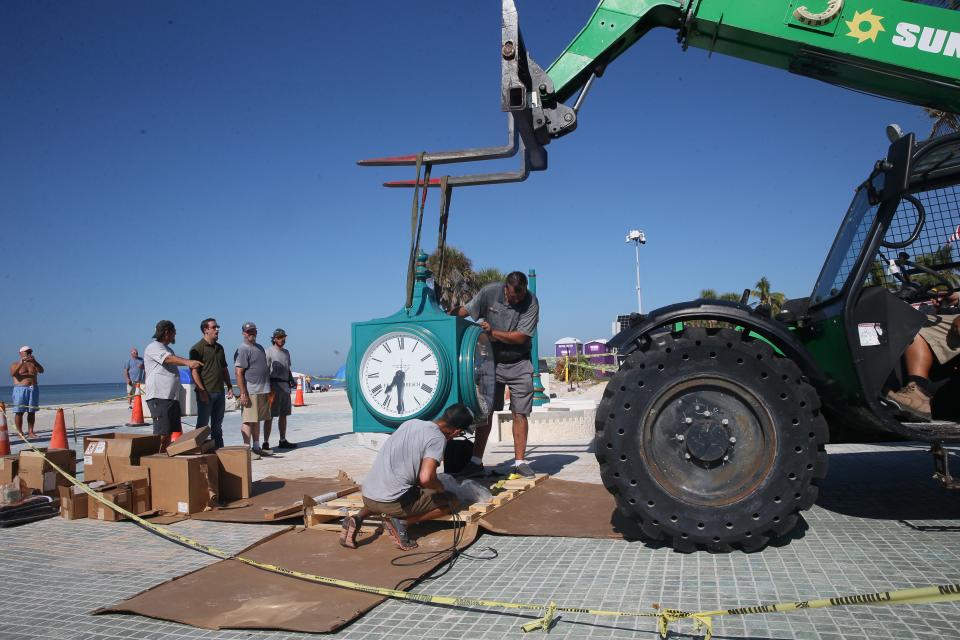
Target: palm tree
<point>487,276</point>
<point>455,284</point>
<point>944,122</point>
<point>774,299</point>
<point>709,294</point>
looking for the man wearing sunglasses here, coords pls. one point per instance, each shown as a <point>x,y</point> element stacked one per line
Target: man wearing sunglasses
<point>26,394</point>
<point>211,380</point>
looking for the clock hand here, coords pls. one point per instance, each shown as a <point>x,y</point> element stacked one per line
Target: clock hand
<point>399,378</point>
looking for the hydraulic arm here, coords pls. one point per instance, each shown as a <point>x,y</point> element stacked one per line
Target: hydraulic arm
<point>892,48</point>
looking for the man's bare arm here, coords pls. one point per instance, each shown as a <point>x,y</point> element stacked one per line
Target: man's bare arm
<point>428,475</point>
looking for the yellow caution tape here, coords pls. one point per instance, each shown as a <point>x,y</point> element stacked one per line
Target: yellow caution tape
<point>702,620</point>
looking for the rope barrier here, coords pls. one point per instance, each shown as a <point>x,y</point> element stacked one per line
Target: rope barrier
<point>702,620</point>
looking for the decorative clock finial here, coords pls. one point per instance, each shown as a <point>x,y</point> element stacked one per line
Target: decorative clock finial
<point>422,272</point>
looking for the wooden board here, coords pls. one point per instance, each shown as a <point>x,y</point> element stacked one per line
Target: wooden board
<point>326,517</point>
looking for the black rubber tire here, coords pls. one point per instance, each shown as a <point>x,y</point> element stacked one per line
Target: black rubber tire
<point>660,442</point>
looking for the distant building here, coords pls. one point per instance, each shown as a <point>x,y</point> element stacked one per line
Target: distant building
<point>568,347</point>
<point>598,353</point>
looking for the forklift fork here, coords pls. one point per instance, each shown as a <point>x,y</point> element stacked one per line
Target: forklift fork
<point>534,118</point>
<point>941,467</point>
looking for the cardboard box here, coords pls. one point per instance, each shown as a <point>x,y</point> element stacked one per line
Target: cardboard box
<point>184,483</point>
<point>119,494</point>
<point>37,473</point>
<point>105,456</point>
<point>189,443</point>
<point>73,502</point>
<point>9,466</point>
<point>235,473</point>
<point>139,480</point>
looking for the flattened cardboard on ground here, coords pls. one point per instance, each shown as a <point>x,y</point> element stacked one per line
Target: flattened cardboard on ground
<point>38,474</point>
<point>563,509</point>
<point>189,443</point>
<point>236,473</point>
<point>272,493</point>
<point>183,484</point>
<point>232,595</point>
<point>106,455</point>
<point>8,468</point>
<point>73,502</point>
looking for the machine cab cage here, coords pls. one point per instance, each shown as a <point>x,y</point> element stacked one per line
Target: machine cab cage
<point>920,246</point>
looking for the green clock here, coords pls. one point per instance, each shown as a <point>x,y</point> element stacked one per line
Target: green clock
<point>417,362</point>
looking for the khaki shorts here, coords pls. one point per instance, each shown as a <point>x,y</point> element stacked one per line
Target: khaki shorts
<point>518,376</point>
<point>258,410</point>
<point>414,502</point>
<point>944,344</point>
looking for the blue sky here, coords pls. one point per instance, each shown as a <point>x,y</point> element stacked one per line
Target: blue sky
<point>179,159</point>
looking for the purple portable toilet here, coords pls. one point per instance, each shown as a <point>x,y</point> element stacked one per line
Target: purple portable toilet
<point>568,347</point>
<point>598,353</point>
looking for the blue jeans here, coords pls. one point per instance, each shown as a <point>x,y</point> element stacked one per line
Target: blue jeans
<point>212,412</point>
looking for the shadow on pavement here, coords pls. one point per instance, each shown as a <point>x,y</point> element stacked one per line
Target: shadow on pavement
<point>887,485</point>
<point>551,463</point>
<point>321,440</point>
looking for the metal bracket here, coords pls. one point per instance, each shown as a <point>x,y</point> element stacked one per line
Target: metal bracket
<point>941,467</point>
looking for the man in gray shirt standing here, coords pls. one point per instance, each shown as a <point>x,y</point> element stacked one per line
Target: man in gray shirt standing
<point>281,380</point>
<point>163,382</point>
<point>509,313</point>
<point>253,378</point>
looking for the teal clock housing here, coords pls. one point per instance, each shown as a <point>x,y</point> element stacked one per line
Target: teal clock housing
<point>417,362</point>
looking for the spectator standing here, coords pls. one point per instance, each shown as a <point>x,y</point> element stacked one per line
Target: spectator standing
<point>211,379</point>
<point>163,382</point>
<point>281,381</point>
<point>253,378</point>
<point>134,374</point>
<point>26,391</point>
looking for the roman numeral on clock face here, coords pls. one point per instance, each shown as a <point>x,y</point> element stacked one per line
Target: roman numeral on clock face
<point>376,389</point>
<point>429,373</point>
<point>426,388</point>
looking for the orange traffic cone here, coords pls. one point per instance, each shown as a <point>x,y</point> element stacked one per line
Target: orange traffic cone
<point>298,401</point>
<point>136,416</point>
<point>4,435</point>
<point>59,438</point>
<point>175,436</point>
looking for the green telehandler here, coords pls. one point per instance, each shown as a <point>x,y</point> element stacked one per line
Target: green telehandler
<point>711,434</point>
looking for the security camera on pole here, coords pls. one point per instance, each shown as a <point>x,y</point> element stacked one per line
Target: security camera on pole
<point>638,238</point>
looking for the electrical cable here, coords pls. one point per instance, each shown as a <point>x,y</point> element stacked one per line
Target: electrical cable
<point>453,551</point>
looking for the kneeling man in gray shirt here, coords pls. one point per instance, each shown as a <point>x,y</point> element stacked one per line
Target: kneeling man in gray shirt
<point>403,483</point>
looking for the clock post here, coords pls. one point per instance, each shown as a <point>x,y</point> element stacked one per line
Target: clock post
<point>539,397</point>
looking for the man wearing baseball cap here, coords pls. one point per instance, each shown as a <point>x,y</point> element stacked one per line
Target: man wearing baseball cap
<point>281,381</point>
<point>163,382</point>
<point>253,378</point>
<point>26,393</point>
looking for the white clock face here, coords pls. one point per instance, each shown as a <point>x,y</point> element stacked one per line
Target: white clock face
<point>399,374</point>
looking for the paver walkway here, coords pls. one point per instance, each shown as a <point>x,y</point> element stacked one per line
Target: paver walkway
<point>881,523</point>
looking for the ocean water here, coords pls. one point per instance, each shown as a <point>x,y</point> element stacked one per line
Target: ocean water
<point>54,395</point>
<point>60,394</point>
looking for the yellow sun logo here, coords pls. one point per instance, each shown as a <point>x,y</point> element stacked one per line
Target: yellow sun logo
<point>872,22</point>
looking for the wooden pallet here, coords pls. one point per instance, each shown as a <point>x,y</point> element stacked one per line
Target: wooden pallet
<point>326,517</point>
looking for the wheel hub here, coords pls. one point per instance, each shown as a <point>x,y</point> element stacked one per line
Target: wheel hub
<point>707,441</point>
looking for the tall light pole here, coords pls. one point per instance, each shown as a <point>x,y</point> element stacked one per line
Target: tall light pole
<point>638,238</point>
